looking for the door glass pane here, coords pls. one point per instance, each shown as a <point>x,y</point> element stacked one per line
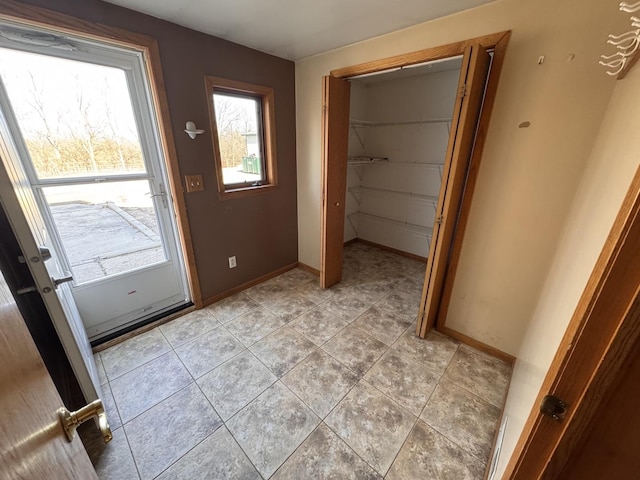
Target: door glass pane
<point>76,118</point>
<point>106,229</point>
<point>238,121</point>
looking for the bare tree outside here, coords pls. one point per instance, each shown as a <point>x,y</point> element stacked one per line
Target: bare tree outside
<point>81,135</point>
<point>234,121</point>
<point>76,123</point>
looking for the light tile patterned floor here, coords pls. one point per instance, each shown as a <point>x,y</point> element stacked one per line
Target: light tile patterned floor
<point>288,381</point>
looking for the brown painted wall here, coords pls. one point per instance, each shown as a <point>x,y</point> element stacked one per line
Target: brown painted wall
<point>260,230</point>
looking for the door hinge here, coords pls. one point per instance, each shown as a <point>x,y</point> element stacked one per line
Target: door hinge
<point>463,91</point>
<point>553,407</point>
<point>440,219</point>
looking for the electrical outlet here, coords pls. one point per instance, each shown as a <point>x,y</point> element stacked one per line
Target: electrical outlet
<point>194,183</point>
<point>232,262</point>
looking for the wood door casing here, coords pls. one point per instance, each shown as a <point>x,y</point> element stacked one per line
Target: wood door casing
<point>610,449</point>
<point>32,442</point>
<point>471,88</point>
<point>335,143</point>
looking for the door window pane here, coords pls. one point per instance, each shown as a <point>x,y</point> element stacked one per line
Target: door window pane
<point>76,118</point>
<point>106,229</point>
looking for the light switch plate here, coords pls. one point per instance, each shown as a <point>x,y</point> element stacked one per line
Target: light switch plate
<point>194,183</point>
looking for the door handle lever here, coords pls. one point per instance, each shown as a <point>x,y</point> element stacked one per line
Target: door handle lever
<point>45,253</point>
<point>59,281</point>
<point>22,291</point>
<point>71,420</point>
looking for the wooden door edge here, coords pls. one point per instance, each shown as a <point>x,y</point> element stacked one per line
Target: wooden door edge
<point>627,217</point>
<point>425,323</point>
<point>495,70</point>
<point>41,17</point>
<point>605,377</point>
<point>323,177</point>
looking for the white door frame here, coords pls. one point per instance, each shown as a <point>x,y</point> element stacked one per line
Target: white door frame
<point>29,15</point>
<point>132,63</point>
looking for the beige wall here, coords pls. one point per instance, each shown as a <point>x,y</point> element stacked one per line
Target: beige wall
<point>604,183</point>
<point>528,176</point>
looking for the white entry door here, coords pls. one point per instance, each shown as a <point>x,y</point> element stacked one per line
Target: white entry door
<point>39,254</point>
<point>79,117</point>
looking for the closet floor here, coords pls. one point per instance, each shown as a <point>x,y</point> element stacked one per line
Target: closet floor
<point>289,381</point>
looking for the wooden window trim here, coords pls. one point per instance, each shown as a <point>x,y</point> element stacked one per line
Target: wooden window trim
<point>267,96</point>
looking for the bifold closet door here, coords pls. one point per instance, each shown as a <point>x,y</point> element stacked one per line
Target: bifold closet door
<point>471,87</point>
<point>335,143</point>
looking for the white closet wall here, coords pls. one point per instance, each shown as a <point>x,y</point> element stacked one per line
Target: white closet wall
<point>357,144</point>
<point>402,125</point>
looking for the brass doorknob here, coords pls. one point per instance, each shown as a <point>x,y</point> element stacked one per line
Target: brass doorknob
<point>71,420</point>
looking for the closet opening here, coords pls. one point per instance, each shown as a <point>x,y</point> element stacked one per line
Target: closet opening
<point>402,142</point>
<point>399,126</point>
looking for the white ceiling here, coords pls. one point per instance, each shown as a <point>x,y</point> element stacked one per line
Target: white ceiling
<point>295,29</point>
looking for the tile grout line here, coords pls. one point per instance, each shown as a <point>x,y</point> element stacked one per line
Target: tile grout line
<point>316,347</point>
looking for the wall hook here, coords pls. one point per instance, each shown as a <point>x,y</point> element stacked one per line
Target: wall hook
<point>192,131</point>
<point>629,7</point>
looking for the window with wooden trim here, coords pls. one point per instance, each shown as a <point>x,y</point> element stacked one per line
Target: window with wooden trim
<point>243,131</point>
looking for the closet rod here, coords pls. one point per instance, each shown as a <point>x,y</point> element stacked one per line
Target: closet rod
<point>439,166</point>
<point>363,123</point>
<point>384,191</point>
<point>364,160</point>
<point>412,227</point>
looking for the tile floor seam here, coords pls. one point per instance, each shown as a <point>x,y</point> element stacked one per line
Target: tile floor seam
<point>115,404</point>
<point>185,366</point>
<point>135,464</point>
<point>293,319</point>
<point>401,447</point>
<point>266,366</point>
<point>305,403</point>
<point>345,441</point>
<point>427,401</point>
<point>305,439</point>
<point>210,370</point>
<point>342,363</point>
<point>156,404</point>
<point>388,397</point>
<point>350,447</point>
<point>191,339</point>
<point>464,449</point>
<point>449,379</point>
<point>186,453</point>
<point>347,393</point>
<point>136,367</point>
<point>240,444</point>
<point>372,261</point>
<point>210,403</point>
<point>148,361</point>
<point>246,454</point>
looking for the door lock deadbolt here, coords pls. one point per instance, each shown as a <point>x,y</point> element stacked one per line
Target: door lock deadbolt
<point>553,407</point>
